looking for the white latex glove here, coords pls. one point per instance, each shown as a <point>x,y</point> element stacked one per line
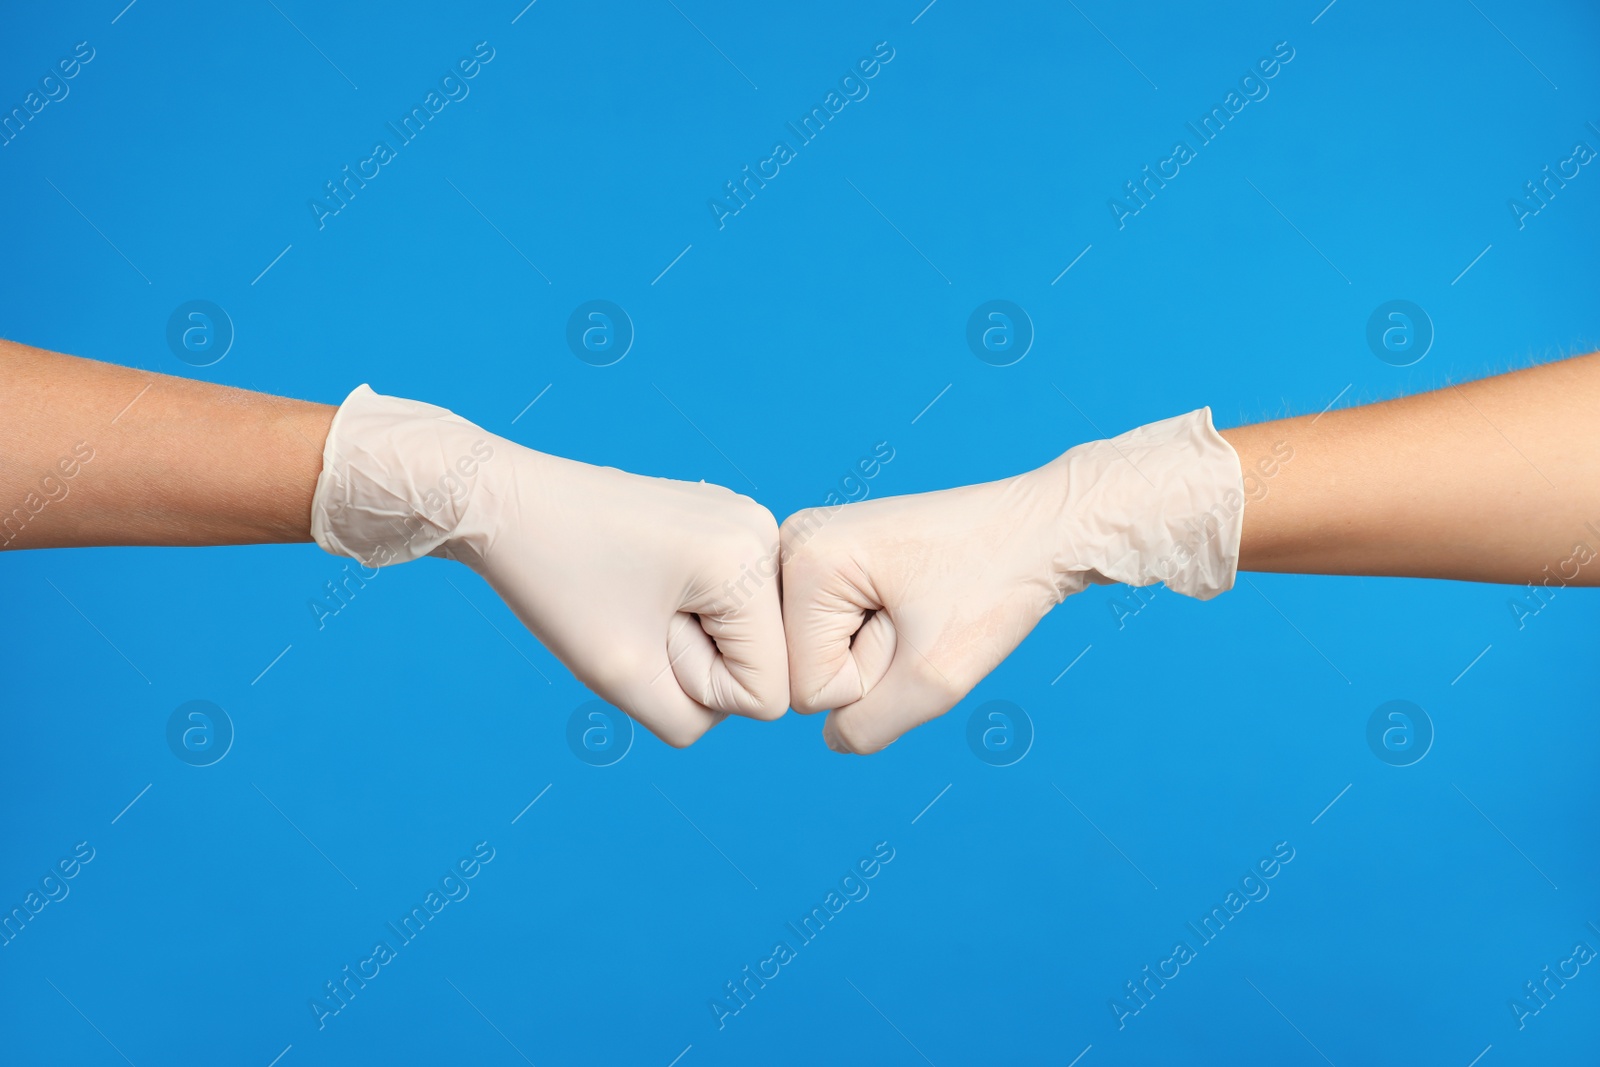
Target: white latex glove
<point>895,608</point>
<point>647,589</point>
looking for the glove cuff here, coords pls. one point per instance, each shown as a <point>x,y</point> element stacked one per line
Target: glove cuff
<point>396,479</point>
<point>1160,503</point>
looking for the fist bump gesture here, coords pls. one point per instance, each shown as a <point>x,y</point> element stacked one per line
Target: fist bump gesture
<point>663,596</point>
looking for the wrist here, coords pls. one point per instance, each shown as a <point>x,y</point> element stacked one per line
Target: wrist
<point>1161,503</point>
<point>398,479</point>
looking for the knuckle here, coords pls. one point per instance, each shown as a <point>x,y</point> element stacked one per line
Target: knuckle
<point>748,527</point>
<point>759,517</point>
<point>751,519</point>
<point>798,528</point>
<point>799,540</point>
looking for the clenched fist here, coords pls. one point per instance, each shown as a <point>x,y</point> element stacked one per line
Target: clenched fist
<point>632,582</point>
<point>895,608</point>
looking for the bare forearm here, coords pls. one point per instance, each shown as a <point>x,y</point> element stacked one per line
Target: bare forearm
<point>1492,480</point>
<point>97,454</point>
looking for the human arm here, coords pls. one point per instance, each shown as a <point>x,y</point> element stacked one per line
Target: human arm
<point>639,585</point>
<point>1487,481</point>
<point>895,608</point>
<point>99,454</point>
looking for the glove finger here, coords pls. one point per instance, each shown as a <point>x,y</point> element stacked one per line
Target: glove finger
<point>908,694</point>
<point>871,653</point>
<point>658,702</point>
<point>873,649</point>
<point>823,610</point>
<point>734,657</point>
<point>732,665</point>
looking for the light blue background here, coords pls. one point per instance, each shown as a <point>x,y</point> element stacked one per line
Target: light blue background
<point>807,330</point>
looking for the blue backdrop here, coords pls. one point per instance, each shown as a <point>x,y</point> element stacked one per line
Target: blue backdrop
<point>1434,889</point>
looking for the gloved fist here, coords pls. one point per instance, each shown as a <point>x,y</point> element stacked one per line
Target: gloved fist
<point>646,588</point>
<point>895,608</point>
